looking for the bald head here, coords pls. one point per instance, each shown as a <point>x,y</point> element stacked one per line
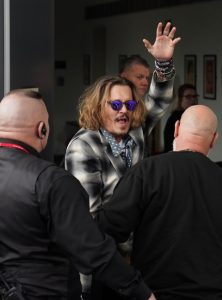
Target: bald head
<point>199,119</point>
<point>197,129</point>
<point>21,114</point>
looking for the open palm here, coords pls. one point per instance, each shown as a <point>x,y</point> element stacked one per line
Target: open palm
<point>163,47</point>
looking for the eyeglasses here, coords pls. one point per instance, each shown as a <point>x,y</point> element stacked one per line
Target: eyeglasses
<point>191,96</point>
<point>118,104</point>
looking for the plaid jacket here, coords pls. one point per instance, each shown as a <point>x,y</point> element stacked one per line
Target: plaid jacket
<point>89,156</point>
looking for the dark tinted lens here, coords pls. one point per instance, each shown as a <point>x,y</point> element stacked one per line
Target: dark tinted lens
<point>116,104</point>
<point>131,105</point>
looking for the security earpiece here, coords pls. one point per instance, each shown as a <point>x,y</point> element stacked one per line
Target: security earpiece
<point>43,130</point>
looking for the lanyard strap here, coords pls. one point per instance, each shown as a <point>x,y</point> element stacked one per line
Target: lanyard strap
<point>14,146</point>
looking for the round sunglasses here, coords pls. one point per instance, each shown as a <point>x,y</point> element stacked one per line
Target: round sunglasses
<point>118,104</point>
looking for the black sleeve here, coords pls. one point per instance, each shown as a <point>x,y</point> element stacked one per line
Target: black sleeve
<point>74,230</point>
<point>120,216</point>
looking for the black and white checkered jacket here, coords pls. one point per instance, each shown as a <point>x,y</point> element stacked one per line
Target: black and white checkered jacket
<point>89,156</point>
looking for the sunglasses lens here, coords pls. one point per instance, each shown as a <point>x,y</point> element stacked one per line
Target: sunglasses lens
<point>116,104</point>
<point>131,105</point>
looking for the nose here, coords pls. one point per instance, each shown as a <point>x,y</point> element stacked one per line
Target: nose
<point>145,80</point>
<point>123,108</point>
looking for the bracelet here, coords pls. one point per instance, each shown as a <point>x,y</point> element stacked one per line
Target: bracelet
<point>164,63</point>
<point>164,67</point>
<point>161,77</point>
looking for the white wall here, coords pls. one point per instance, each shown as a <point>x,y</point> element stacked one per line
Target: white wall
<point>199,26</point>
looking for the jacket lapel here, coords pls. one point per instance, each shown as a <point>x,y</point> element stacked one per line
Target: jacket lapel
<point>137,153</point>
<point>138,150</point>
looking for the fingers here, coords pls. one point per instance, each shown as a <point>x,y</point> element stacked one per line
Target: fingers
<point>159,29</point>
<point>172,32</point>
<point>176,40</point>
<point>166,30</point>
<point>147,44</point>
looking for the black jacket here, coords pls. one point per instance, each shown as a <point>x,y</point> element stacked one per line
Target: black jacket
<point>44,220</point>
<point>173,204</point>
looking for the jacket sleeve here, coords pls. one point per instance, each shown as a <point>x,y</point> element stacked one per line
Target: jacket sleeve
<point>83,163</point>
<point>157,100</point>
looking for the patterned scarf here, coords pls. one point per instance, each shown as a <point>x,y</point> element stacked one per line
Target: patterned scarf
<point>124,148</point>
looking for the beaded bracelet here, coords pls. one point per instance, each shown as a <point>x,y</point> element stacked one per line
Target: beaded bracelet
<point>164,70</point>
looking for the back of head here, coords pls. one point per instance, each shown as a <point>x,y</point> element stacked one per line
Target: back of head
<point>197,129</point>
<point>24,117</point>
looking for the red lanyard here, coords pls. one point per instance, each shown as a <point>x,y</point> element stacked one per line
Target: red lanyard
<point>14,146</point>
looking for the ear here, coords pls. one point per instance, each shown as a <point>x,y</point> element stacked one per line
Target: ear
<point>176,128</point>
<point>41,130</point>
<point>215,137</point>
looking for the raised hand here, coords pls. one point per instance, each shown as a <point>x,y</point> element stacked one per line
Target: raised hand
<point>164,45</point>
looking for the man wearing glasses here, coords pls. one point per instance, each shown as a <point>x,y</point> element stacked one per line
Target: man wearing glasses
<point>111,116</point>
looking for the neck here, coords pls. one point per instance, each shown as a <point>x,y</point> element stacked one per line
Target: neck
<point>118,139</point>
<point>189,147</point>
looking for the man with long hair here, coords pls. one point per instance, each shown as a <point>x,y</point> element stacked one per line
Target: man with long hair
<point>111,116</point>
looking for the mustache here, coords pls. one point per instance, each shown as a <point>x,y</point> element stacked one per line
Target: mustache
<point>123,117</point>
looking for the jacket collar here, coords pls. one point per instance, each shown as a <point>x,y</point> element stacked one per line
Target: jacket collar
<point>29,149</point>
<point>137,154</point>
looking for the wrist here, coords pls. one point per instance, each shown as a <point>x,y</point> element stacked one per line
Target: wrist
<point>164,66</point>
<point>164,70</point>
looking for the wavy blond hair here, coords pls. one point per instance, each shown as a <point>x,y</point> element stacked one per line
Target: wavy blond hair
<point>94,97</point>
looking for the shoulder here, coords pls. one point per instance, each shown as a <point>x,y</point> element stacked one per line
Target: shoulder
<point>53,173</point>
<point>35,164</point>
<point>137,134</point>
<point>87,136</point>
<point>36,170</point>
<point>85,144</point>
<point>155,162</point>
